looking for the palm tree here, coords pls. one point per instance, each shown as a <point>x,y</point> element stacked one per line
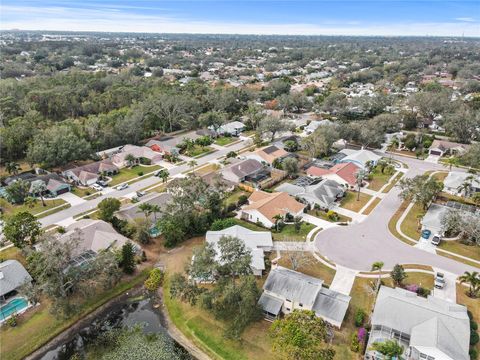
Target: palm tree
<point>192,164</point>
<point>164,174</point>
<point>155,209</point>
<point>130,159</point>
<point>12,168</point>
<point>277,219</point>
<point>465,188</point>
<point>378,266</point>
<point>146,208</point>
<point>473,279</point>
<point>38,188</point>
<point>360,176</point>
<point>31,201</point>
<point>390,349</point>
<point>451,161</point>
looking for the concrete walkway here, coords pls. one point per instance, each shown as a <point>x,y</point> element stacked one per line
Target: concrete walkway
<point>71,198</point>
<point>343,280</point>
<point>356,217</point>
<point>324,224</point>
<point>291,246</point>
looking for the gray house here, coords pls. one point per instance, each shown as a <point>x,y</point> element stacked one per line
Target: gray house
<point>323,194</point>
<point>12,276</point>
<point>428,328</point>
<point>242,170</point>
<point>257,241</point>
<point>286,290</point>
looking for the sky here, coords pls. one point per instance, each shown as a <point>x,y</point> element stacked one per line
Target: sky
<point>293,17</point>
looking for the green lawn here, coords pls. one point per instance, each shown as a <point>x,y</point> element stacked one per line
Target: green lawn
<point>225,140</point>
<point>372,206</point>
<point>235,195</point>
<point>288,233</point>
<point>12,253</point>
<point>378,180</point>
<point>198,151</point>
<point>393,183</point>
<point>11,209</point>
<point>323,215</point>
<point>126,173</point>
<point>350,201</point>
<point>410,225</point>
<point>471,251</point>
<point>37,326</point>
<point>82,192</point>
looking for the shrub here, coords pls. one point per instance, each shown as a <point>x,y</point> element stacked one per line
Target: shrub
<point>362,334</point>
<point>231,207</point>
<point>473,354</point>
<point>332,215</point>
<point>12,321</point>
<point>221,224</point>
<point>473,325</point>
<point>412,288</point>
<point>155,279</point>
<point>231,154</point>
<point>473,338</point>
<point>359,317</point>
<point>242,200</point>
<point>354,344</point>
<point>61,230</point>
<point>140,173</point>
<point>423,292</point>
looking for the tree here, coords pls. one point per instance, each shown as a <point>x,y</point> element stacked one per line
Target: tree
<point>298,259</point>
<point>301,335</point>
<point>320,142</point>
<point>12,167</point>
<point>234,257</point>
<point>38,188</point>
<point>130,159</point>
<point>155,209</point>
<point>213,120</point>
<point>191,164</point>
<point>163,174</point>
<point>18,190</point>
<point>472,156</point>
<point>273,126</point>
<point>127,262</point>
<point>451,162</point>
<point>290,165</point>
<point>107,208</point>
<point>420,189</point>
<point>398,274</point>
<point>22,229</point>
<point>462,124</point>
<point>253,115</point>
<point>359,177</point>
<point>378,266</point>
<point>390,349</point>
<point>30,201</point>
<point>291,146</point>
<point>473,280</point>
<point>146,208</point>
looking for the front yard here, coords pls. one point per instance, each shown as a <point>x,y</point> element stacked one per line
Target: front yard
<point>288,233</point>
<point>198,151</point>
<point>127,174</point>
<point>225,140</point>
<point>37,208</point>
<point>378,180</point>
<point>323,215</point>
<point>311,266</point>
<point>350,201</point>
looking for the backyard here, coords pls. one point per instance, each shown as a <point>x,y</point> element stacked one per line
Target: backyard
<point>350,201</point>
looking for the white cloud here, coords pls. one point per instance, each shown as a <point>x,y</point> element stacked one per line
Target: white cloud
<point>104,19</point>
<point>466,19</point>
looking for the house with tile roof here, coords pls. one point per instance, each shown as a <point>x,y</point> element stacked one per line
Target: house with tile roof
<point>342,173</point>
<point>287,290</point>
<point>263,207</point>
<point>257,241</point>
<point>427,328</point>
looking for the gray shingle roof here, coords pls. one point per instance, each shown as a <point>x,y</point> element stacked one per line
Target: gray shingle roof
<point>331,306</point>
<point>270,304</point>
<point>12,276</point>
<point>131,212</point>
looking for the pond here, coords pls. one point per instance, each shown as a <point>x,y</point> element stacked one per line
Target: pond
<point>127,313</point>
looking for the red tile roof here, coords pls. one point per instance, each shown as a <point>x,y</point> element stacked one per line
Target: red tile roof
<point>346,171</point>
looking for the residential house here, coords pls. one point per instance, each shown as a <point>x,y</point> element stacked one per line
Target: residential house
<point>162,147</point>
<point>267,154</point>
<point>453,183</point>
<point>323,194</point>
<point>257,241</point>
<point>433,219</point>
<point>142,155</point>
<point>315,124</point>
<point>443,147</point>
<point>244,170</point>
<point>263,207</point>
<point>427,328</point>
<point>287,290</point>
<point>233,128</point>
<point>342,173</point>
<point>89,174</point>
<point>132,211</point>
<point>216,180</point>
<point>12,276</point>
<point>54,185</point>
<point>359,157</point>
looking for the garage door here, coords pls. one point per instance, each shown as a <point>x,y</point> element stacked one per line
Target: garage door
<point>62,191</point>
<point>435,152</point>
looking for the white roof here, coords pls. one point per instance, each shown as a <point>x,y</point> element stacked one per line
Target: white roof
<point>12,276</point>
<point>455,179</point>
<point>254,240</point>
<point>359,156</point>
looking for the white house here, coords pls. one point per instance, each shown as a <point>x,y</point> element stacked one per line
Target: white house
<point>455,180</point>
<point>233,128</point>
<point>360,157</point>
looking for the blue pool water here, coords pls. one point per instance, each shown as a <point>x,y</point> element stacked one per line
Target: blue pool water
<point>12,307</point>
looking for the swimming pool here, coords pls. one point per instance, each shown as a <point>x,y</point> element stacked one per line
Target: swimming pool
<point>14,306</point>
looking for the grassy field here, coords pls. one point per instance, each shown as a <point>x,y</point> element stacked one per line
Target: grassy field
<point>225,140</point>
<point>12,253</point>
<point>126,174</point>
<point>350,202</point>
<point>410,225</point>
<point>37,326</point>
<point>24,167</point>
<point>471,304</point>
<point>11,209</point>
<point>82,192</point>
<point>378,180</point>
<point>471,251</point>
<point>372,206</point>
<point>288,233</point>
<point>393,182</point>
<point>235,196</point>
<point>440,176</point>
<point>198,151</point>
<point>323,215</point>
<point>311,266</point>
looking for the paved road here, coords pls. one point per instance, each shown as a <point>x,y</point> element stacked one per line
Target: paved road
<point>74,210</point>
<point>359,245</point>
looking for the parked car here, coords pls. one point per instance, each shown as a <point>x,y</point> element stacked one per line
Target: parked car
<point>141,193</point>
<point>102,183</point>
<point>122,187</point>
<point>436,239</point>
<point>439,281</point>
<point>97,187</point>
<point>426,233</point>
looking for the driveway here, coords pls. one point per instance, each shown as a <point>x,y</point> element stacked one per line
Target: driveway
<point>449,292</point>
<point>343,280</point>
<point>72,199</point>
<point>359,245</point>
